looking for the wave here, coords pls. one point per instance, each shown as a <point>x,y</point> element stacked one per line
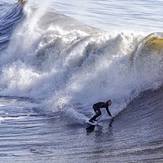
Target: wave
<point>72,65</point>
<point>11,15</point>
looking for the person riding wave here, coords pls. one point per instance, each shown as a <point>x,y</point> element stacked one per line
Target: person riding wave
<point>97,108</point>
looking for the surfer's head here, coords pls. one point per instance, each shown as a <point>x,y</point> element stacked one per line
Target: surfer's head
<point>109,102</point>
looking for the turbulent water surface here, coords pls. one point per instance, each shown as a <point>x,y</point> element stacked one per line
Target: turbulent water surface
<point>59,58</point>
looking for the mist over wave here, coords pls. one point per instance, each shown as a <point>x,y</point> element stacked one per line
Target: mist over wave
<point>72,65</point>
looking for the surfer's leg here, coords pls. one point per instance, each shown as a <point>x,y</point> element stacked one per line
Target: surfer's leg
<point>94,108</point>
<point>98,113</point>
<point>93,118</point>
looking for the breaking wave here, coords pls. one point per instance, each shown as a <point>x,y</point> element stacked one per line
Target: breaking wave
<point>50,56</point>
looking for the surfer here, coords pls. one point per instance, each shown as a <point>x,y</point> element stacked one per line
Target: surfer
<point>97,108</point>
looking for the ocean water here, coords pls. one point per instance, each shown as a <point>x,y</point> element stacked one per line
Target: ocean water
<point>58,58</point>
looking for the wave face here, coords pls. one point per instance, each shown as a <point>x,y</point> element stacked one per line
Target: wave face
<point>47,55</point>
<point>10,16</point>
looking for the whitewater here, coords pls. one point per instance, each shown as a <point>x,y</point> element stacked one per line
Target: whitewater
<point>59,58</point>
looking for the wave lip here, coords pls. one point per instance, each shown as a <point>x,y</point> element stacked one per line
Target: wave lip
<point>147,59</point>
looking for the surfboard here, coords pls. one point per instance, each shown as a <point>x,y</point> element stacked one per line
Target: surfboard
<point>94,123</point>
<point>91,125</point>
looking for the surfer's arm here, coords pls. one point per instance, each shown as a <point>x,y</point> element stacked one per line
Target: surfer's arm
<point>104,105</point>
<point>107,109</point>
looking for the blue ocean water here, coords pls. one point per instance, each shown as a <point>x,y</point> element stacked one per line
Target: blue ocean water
<point>58,58</point>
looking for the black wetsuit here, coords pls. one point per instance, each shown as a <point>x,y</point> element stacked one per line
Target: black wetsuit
<point>97,108</point>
